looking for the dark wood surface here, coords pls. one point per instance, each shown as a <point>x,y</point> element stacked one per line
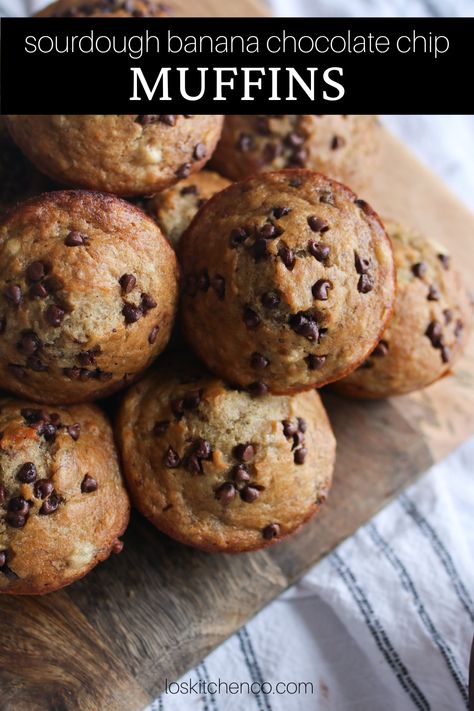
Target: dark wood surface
<point>110,640</point>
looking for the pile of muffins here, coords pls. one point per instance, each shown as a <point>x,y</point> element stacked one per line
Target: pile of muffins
<point>263,278</point>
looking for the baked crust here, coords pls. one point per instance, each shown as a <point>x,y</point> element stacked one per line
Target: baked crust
<point>105,8</point>
<point>66,445</point>
<point>412,353</point>
<point>71,328</point>
<point>257,239</point>
<point>121,154</point>
<point>179,408</point>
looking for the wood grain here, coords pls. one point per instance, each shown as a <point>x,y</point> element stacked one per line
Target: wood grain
<point>111,640</point>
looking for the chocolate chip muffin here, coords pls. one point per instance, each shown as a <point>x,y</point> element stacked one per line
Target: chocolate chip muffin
<point>173,209</point>
<point>105,8</point>
<point>62,500</point>
<point>88,291</point>
<point>288,282</point>
<point>429,327</point>
<point>18,178</point>
<point>126,155</point>
<point>217,469</point>
<point>342,147</point>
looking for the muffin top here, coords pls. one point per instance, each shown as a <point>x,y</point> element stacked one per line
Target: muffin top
<point>430,324</point>
<point>288,281</point>
<point>121,154</point>
<point>62,499</point>
<point>105,8</point>
<point>216,469</point>
<point>173,209</point>
<point>88,291</point>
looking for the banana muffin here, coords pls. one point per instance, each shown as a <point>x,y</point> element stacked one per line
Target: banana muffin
<point>18,178</point>
<point>288,282</point>
<point>173,209</point>
<point>88,292</point>
<point>430,323</point>
<point>217,469</point>
<point>127,154</point>
<point>344,147</point>
<point>105,8</point>
<point>63,503</point>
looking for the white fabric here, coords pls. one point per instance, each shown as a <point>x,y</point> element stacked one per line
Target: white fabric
<point>386,621</point>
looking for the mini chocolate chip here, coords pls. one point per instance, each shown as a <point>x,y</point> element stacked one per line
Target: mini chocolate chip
<point>337,142</point>
<point>50,504</point>
<point>177,407</point>
<point>298,439</point>
<point>269,231</point>
<point>127,282</point>
<point>35,271</point>
<point>189,190</point>
<point>259,249</point>
<point>240,474</point>
<point>257,360</point>
<point>381,349</point>
<point>171,458</point>
<point>364,206</point>
<point>3,559</point>
<point>257,389</point>
<point>17,370</point>
<point>365,283</point>
<point>300,455</point>
<point>445,354</point>
<point>203,280</point>
<point>13,294</point>
<point>327,198</point>
<point>200,151</point>
<point>31,416</point>
<point>302,426</point>
<point>153,335</point>
<point>434,333</point>
<point>226,492</point>
<point>202,448</point>
<point>304,325</point>
<point>362,264</point>
<point>295,183</point>
<point>147,303</point>
<point>193,464</point>
<point>75,239</point>
<point>281,211</point>
<point>54,315</point>
<point>131,313</point>
<point>459,327</point>
<point>249,494</point>
<point>160,427</point>
<point>3,494</point>
<point>433,293</point>
<point>218,284</point>
<point>270,152</point>
<point>18,504</point>
<point>262,125</point>
<point>47,430</point>
<point>317,224</point>
<point>27,473</point>
<point>192,399</point>
<point>237,236</point>
<point>289,428</point>
<point>168,119</point>
<point>74,431</point>
<point>298,157</point>
<point>320,289</point>
<point>294,139</point>
<point>287,256</point>
<point>43,488</point>
<point>244,452</point>
<point>270,299</point>
<point>53,283</point>
<point>72,373</point>
<point>251,318</point>
<point>245,142</point>
<point>38,291</point>
<point>183,171</point>
<point>419,269</point>
<point>445,260</point>
<point>448,316</point>
<point>88,484</point>
<point>319,250</point>
<point>315,362</point>
<point>15,519</point>
<point>29,343</point>
<point>271,531</point>
<point>117,546</point>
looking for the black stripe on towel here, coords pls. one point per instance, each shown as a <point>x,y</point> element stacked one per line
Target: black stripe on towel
<point>409,586</point>
<point>379,634</point>
<point>212,697</point>
<point>254,669</point>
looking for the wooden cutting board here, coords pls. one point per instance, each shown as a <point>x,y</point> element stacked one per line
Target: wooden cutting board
<point>110,640</point>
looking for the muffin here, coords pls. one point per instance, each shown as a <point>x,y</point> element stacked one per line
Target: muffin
<point>173,209</point>
<point>430,323</point>
<point>62,499</point>
<point>126,155</point>
<point>88,291</point>
<point>105,8</point>
<point>216,469</point>
<point>342,147</point>
<point>288,282</point>
<point>18,178</point>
